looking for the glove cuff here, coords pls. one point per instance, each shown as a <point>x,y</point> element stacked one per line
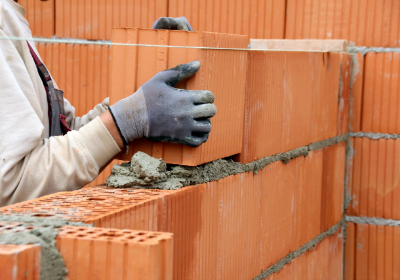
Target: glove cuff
<point>130,116</point>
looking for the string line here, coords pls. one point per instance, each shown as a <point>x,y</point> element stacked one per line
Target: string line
<point>109,43</point>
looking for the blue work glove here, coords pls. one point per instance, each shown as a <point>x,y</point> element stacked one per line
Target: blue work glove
<point>160,112</point>
<point>180,23</point>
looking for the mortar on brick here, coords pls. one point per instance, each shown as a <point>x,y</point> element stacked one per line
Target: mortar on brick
<point>43,231</point>
<point>176,177</point>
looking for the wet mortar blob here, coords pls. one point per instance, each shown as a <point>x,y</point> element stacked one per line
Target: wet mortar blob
<point>146,172</point>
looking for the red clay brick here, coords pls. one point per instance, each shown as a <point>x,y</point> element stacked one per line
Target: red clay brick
<point>95,253</point>
<point>324,261</point>
<point>19,262</point>
<point>238,225</point>
<point>115,254</point>
<point>81,71</point>
<point>94,20</point>
<point>262,19</point>
<point>217,65</point>
<point>380,93</point>
<point>365,23</point>
<point>332,185</point>
<point>40,16</point>
<point>371,252</point>
<point>373,179</point>
<point>291,101</point>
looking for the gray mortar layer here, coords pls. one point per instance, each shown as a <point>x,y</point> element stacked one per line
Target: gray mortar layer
<point>374,136</point>
<point>149,173</point>
<point>52,266</point>
<point>373,221</point>
<point>365,50</point>
<point>306,247</point>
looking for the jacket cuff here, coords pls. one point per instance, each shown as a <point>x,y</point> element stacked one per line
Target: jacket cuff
<point>99,142</point>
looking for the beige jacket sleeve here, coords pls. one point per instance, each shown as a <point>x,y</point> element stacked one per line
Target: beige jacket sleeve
<point>76,123</point>
<point>32,165</point>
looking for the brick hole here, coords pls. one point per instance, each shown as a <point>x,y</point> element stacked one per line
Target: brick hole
<point>42,215</point>
<point>140,233</point>
<point>110,234</point>
<point>141,240</point>
<point>152,236</point>
<point>30,227</point>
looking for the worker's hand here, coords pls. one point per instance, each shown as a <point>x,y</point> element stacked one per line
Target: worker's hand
<point>180,23</point>
<point>161,112</point>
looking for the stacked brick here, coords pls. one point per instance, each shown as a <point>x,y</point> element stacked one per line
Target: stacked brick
<point>323,261</point>
<point>19,262</point>
<point>94,20</point>
<point>81,71</point>
<point>372,167</point>
<point>220,224</point>
<point>272,102</point>
<point>93,253</point>
<point>263,19</point>
<point>372,252</point>
<point>291,101</point>
<point>365,23</point>
<point>40,16</point>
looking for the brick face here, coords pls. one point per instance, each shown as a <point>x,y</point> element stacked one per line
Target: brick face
<point>364,23</point>
<point>291,101</point>
<point>261,19</point>
<point>40,16</point>
<point>324,261</point>
<point>94,20</point>
<point>371,252</point>
<point>373,177</point>
<point>133,66</point>
<point>238,225</point>
<point>93,253</point>
<point>19,262</point>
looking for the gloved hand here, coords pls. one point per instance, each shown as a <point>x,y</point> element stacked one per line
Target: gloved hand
<point>180,23</point>
<point>161,112</point>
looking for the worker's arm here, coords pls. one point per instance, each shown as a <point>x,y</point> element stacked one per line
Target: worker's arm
<point>76,123</point>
